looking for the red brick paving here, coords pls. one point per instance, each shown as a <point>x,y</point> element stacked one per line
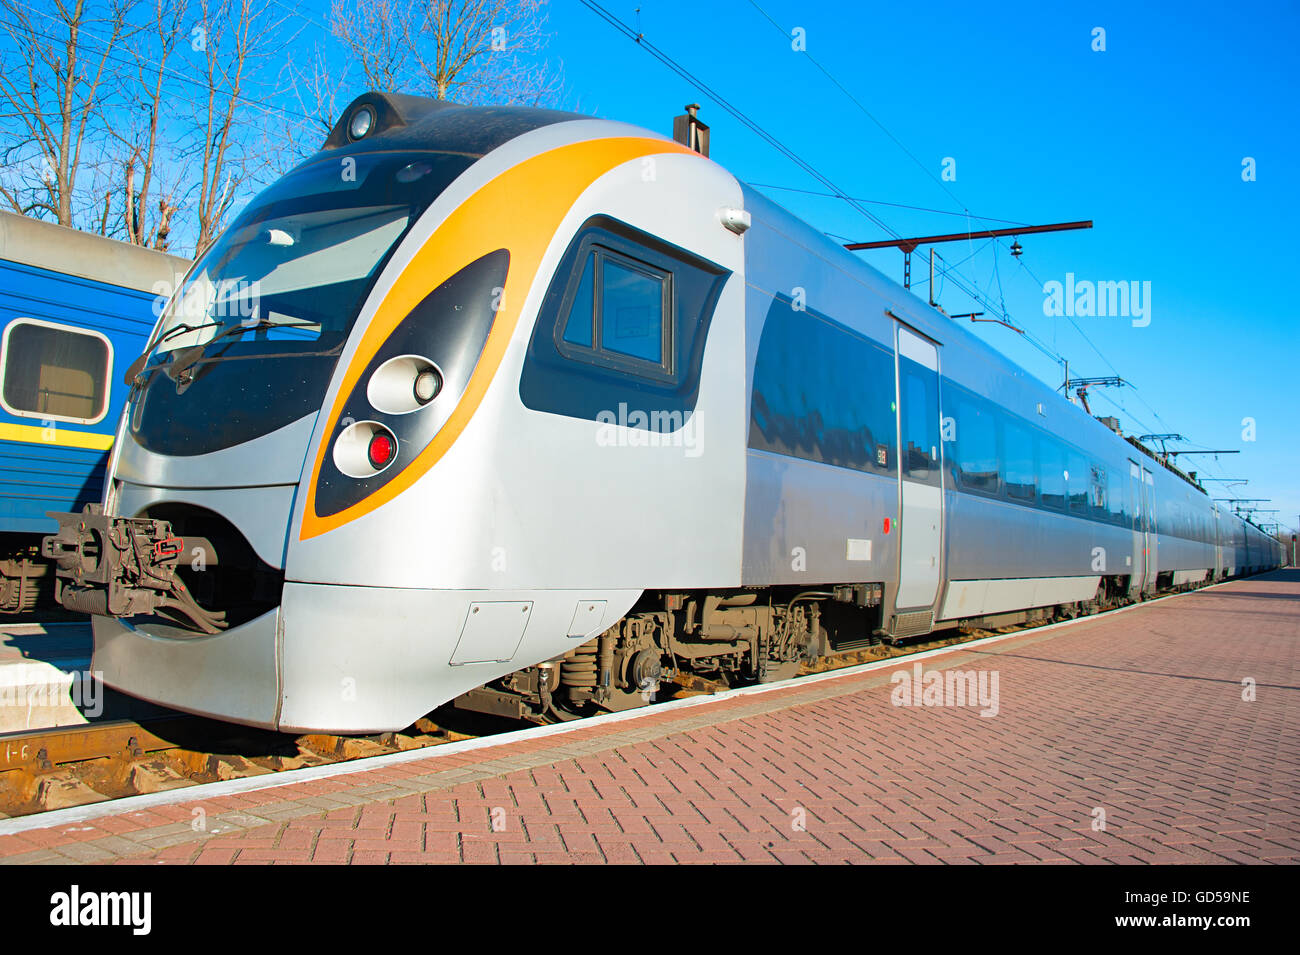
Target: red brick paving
<point>1140,715</point>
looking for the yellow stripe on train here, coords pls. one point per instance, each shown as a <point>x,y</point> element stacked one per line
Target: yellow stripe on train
<point>53,434</point>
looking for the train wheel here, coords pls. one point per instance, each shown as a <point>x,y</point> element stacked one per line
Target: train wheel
<point>558,714</point>
<point>776,672</point>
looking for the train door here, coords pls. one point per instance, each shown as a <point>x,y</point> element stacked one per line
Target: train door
<point>920,472</point>
<point>1152,532</point>
<point>1141,538</point>
<point>1218,545</point>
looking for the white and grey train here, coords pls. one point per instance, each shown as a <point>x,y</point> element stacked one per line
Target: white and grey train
<point>528,410</point>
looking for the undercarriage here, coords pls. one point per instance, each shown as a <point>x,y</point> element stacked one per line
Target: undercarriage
<point>733,638</point>
<point>751,636</point>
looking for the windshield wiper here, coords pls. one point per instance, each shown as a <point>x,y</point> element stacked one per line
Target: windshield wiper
<point>180,366</point>
<point>131,379</point>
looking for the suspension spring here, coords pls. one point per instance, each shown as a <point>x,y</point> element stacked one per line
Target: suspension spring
<point>578,668</point>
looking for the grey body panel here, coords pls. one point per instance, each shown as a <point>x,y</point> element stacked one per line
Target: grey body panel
<point>275,458</point>
<point>800,517</point>
<point>261,514</point>
<point>233,672</point>
<point>793,503</point>
<point>988,538</point>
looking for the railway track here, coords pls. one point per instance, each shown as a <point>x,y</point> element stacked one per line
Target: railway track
<point>42,770</point>
<point>67,766</point>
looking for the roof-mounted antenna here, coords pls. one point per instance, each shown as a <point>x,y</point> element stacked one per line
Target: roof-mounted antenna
<point>690,132</point>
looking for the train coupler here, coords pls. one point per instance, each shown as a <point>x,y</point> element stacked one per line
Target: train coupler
<point>122,566</point>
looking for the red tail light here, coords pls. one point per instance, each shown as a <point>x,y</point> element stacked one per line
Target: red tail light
<point>381,450</point>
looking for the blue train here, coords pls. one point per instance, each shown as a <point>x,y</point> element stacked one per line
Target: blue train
<point>75,309</point>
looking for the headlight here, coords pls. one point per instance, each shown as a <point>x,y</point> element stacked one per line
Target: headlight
<point>361,122</point>
<point>404,384</point>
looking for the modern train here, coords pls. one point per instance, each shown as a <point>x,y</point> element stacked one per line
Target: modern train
<point>72,305</point>
<point>531,411</point>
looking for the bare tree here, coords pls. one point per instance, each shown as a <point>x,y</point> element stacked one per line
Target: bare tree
<point>378,35</point>
<point>484,51</point>
<point>143,165</point>
<point>52,95</point>
<point>235,39</point>
<point>317,86</point>
<point>470,51</point>
<point>151,120</point>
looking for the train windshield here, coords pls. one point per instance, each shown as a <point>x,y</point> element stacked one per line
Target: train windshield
<point>291,273</point>
<point>251,341</point>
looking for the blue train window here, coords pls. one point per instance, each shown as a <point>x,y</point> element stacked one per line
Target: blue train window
<point>1079,479</point>
<point>55,372</point>
<point>1051,459</point>
<point>977,446</point>
<point>578,330</point>
<point>632,311</point>
<point>919,391</point>
<point>1097,491</point>
<point>1019,471</point>
<point>1115,496</point>
<point>823,392</point>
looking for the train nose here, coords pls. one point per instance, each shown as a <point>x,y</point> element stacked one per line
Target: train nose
<point>268,460</point>
<point>186,545</point>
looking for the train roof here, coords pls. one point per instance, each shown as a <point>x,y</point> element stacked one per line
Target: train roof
<point>398,121</point>
<point>45,245</point>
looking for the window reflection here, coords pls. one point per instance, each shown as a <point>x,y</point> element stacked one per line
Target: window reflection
<point>822,392</point>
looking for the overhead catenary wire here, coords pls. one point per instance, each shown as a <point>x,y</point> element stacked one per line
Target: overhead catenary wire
<point>1114,401</point>
<point>883,202</point>
<point>758,130</point>
<point>866,112</point>
<point>1099,352</point>
<point>996,275</point>
<point>967,286</point>
<point>736,113</point>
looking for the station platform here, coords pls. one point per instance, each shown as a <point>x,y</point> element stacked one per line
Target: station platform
<point>1162,733</point>
<point>45,676</point>
<point>46,680</point>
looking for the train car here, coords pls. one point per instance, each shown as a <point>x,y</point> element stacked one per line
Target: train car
<point>531,410</point>
<point>72,305</point>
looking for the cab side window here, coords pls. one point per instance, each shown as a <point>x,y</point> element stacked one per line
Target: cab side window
<point>621,314</point>
<point>621,329</point>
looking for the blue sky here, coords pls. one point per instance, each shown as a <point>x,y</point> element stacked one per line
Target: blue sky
<point>1146,138</point>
